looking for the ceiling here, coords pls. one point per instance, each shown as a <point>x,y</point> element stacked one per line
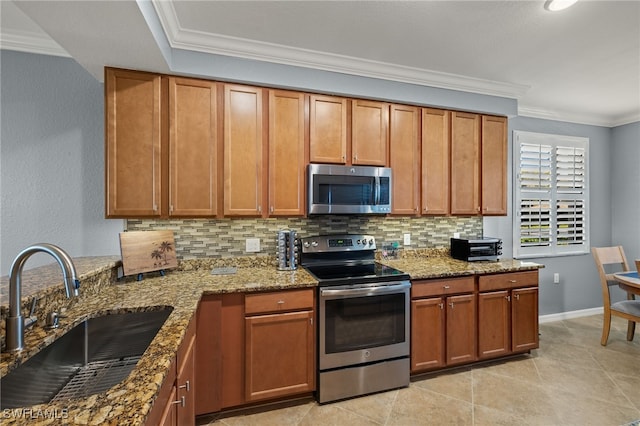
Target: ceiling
<point>578,65</point>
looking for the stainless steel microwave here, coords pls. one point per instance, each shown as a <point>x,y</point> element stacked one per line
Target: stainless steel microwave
<point>336,189</point>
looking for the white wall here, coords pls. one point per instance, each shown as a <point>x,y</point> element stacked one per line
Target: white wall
<point>52,159</point>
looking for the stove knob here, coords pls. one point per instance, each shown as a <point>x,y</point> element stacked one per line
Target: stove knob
<point>364,241</point>
<point>371,242</point>
<point>314,243</point>
<point>306,244</point>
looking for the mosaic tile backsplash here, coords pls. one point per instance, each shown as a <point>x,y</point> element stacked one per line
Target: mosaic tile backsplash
<point>201,238</point>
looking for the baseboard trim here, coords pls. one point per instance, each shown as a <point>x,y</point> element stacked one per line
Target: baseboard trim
<point>568,315</point>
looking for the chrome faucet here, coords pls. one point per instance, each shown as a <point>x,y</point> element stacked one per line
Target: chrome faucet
<point>15,322</point>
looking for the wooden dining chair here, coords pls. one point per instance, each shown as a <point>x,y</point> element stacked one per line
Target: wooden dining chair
<point>628,309</point>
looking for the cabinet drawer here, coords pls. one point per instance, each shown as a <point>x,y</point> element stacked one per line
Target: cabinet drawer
<point>424,288</point>
<point>290,300</point>
<point>506,281</point>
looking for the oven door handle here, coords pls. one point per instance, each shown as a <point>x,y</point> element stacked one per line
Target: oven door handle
<point>366,291</point>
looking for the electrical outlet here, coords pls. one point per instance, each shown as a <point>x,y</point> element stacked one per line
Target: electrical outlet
<point>252,245</point>
<point>456,235</point>
<point>407,239</point>
<point>556,278</point>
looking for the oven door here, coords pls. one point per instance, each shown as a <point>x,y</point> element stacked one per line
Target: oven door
<point>363,323</point>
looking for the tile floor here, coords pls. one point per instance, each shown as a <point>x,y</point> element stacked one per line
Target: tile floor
<point>570,380</point>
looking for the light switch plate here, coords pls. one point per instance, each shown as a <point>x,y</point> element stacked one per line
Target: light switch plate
<point>252,245</point>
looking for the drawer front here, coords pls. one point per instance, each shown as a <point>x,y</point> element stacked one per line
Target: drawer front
<point>425,288</point>
<point>290,300</point>
<point>508,280</point>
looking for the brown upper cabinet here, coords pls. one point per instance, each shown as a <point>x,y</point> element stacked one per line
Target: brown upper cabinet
<point>465,163</point>
<point>183,147</point>
<point>494,165</point>
<point>244,146</point>
<point>193,148</point>
<point>404,158</point>
<point>436,149</point>
<point>327,129</point>
<point>369,133</point>
<point>133,144</point>
<point>286,153</point>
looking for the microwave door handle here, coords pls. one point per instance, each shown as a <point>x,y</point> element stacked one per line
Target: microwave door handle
<point>376,194</point>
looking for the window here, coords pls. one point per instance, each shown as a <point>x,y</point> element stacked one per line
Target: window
<point>551,199</point>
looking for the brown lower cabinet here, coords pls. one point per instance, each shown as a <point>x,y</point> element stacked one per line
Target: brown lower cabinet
<point>443,318</point>
<point>254,347</point>
<point>175,404</point>
<point>507,313</point>
<point>462,320</point>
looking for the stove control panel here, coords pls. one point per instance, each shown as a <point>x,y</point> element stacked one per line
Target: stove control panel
<point>338,243</point>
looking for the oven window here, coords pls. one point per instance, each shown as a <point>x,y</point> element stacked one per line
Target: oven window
<point>364,322</point>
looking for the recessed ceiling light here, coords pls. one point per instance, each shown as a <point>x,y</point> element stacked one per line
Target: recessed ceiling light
<point>556,5</point>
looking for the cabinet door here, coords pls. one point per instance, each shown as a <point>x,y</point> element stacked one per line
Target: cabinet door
<point>524,319</point>
<point>244,143</point>
<point>193,148</point>
<point>286,153</point>
<point>280,355</point>
<point>435,161</point>
<point>369,133</point>
<point>494,320</point>
<point>133,144</point>
<point>494,165</point>
<point>208,358</point>
<point>185,387</point>
<point>461,329</point>
<point>233,338</point>
<point>404,148</point>
<point>169,414</point>
<point>327,129</point>
<point>465,163</point>
<point>427,334</point>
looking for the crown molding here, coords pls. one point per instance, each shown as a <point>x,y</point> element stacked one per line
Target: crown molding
<point>30,42</point>
<point>588,119</point>
<point>180,38</point>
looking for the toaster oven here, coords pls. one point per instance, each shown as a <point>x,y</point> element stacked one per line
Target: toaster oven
<point>475,249</point>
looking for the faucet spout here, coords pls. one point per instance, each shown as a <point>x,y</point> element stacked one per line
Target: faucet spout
<point>15,322</point>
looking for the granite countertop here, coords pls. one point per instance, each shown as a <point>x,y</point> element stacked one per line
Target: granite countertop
<point>130,401</point>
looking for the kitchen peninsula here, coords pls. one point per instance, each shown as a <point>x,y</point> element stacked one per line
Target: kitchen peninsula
<point>132,400</point>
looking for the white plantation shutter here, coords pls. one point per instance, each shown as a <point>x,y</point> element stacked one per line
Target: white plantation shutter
<point>551,195</point>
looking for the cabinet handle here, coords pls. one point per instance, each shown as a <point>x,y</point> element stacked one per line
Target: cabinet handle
<point>155,207</point>
<point>171,208</point>
<point>441,305</point>
<point>271,209</point>
<point>451,304</point>
<point>416,208</point>
<point>478,208</point>
<point>259,209</point>
<point>182,401</point>
<point>446,287</point>
<point>513,281</point>
<point>185,386</point>
<point>355,157</point>
<point>508,298</point>
<point>280,302</point>
<point>517,296</point>
<point>426,208</point>
<point>311,321</point>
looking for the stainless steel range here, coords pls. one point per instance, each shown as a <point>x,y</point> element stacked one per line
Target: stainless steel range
<point>363,317</point>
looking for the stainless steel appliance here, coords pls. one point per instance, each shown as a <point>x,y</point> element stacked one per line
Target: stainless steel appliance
<point>287,249</point>
<point>475,249</point>
<point>336,189</point>
<point>363,317</point>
